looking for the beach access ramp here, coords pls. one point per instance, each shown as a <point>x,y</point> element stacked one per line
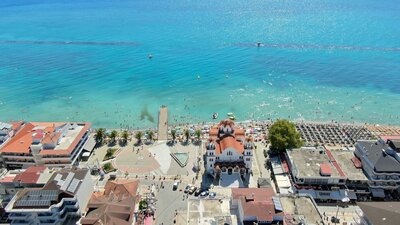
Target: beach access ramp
<point>163,124</point>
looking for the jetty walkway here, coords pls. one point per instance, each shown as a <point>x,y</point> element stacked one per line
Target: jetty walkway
<point>163,124</point>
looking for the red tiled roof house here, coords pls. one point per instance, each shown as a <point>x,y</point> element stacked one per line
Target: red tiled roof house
<point>45,144</point>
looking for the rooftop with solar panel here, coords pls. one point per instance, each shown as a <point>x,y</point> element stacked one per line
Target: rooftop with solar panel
<point>37,198</point>
<point>64,184</point>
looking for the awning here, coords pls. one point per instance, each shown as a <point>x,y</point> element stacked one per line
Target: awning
<point>378,192</point>
<point>89,145</point>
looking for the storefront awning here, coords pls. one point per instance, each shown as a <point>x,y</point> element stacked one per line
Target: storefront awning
<point>378,192</point>
<point>89,145</point>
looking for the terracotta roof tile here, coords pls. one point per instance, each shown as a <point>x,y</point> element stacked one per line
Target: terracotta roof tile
<point>115,206</point>
<point>22,141</point>
<point>257,202</point>
<point>325,169</point>
<point>30,175</point>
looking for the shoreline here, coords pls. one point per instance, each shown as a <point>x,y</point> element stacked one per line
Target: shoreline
<point>255,123</point>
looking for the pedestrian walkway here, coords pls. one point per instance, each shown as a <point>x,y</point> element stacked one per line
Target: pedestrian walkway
<point>163,124</point>
<point>161,153</point>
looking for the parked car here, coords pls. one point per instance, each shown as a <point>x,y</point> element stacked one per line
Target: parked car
<point>192,190</point>
<point>335,219</point>
<point>198,191</point>
<point>212,194</point>
<point>175,186</point>
<point>204,194</point>
<point>187,188</point>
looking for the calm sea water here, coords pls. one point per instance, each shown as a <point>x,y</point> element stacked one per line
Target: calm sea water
<point>88,60</point>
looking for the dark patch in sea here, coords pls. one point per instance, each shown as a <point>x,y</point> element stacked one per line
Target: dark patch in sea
<point>145,114</point>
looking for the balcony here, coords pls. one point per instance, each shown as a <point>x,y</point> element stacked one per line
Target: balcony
<point>21,222</point>
<point>18,216</point>
<point>46,216</point>
<point>11,157</point>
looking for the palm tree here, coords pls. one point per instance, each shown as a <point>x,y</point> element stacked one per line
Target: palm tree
<point>198,134</point>
<point>138,136</point>
<point>113,136</point>
<point>173,134</point>
<point>187,135</point>
<point>150,135</point>
<point>99,136</point>
<point>125,136</point>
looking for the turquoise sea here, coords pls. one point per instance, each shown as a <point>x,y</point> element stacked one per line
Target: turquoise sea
<point>88,60</point>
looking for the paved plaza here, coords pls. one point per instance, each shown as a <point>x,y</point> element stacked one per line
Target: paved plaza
<point>150,160</point>
<point>208,212</point>
<point>135,160</point>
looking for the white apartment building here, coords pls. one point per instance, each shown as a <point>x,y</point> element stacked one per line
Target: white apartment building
<point>45,144</point>
<point>64,197</point>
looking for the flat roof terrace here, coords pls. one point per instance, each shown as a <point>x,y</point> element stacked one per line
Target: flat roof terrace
<point>208,211</point>
<point>69,137</point>
<point>300,207</point>
<point>343,158</point>
<point>308,162</point>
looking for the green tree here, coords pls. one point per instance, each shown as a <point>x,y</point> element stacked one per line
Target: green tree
<point>100,135</point>
<point>142,205</point>
<point>113,136</point>
<point>283,135</point>
<point>107,167</point>
<point>125,136</point>
<point>197,133</point>
<point>187,135</point>
<point>138,136</point>
<point>173,134</point>
<point>150,135</point>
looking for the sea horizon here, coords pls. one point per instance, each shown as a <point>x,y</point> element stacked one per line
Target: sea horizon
<point>90,61</point>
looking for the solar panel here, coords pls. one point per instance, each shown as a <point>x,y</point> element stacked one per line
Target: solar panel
<point>67,181</point>
<point>58,178</point>
<point>38,198</point>
<point>277,204</point>
<point>74,184</point>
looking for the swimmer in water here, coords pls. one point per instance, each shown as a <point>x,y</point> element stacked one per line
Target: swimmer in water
<point>150,56</point>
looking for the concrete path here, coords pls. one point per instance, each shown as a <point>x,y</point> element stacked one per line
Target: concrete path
<point>163,124</point>
<point>161,153</point>
<point>135,161</point>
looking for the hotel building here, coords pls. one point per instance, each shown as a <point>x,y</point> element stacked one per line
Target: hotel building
<point>45,144</point>
<point>381,163</point>
<point>63,198</point>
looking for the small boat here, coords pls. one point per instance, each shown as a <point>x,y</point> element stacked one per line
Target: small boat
<point>215,115</point>
<point>231,116</point>
<point>259,44</point>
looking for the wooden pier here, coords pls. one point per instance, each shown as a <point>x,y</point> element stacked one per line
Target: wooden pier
<point>163,124</point>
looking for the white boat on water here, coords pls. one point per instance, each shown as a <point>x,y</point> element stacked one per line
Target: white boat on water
<point>231,116</point>
<point>215,115</point>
